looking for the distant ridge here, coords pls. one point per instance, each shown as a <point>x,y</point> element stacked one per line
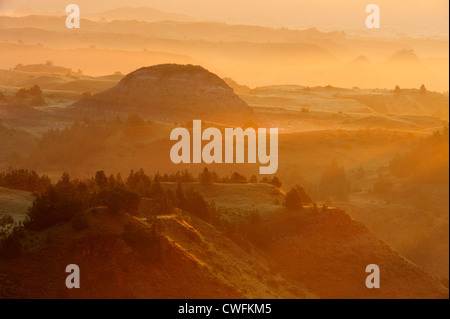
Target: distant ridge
<point>141,14</point>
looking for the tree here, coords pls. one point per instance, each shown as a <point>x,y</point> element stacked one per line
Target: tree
<point>265,180</point>
<point>119,199</point>
<point>423,89</point>
<point>253,179</point>
<point>35,90</point>
<point>37,101</point>
<point>205,177</point>
<point>294,199</point>
<point>275,182</point>
<point>100,179</point>
<point>397,90</point>
<point>22,93</point>
<point>238,178</point>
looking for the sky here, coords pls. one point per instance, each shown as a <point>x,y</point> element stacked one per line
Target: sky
<point>413,17</point>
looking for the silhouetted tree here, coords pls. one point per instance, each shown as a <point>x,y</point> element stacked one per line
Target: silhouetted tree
<point>101,180</point>
<point>238,178</point>
<point>294,199</point>
<point>22,93</point>
<point>205,177</point>
<point>423,89</point>
<point>275,182</point>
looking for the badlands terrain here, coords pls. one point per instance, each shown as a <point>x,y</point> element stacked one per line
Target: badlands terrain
<point>363,141</point>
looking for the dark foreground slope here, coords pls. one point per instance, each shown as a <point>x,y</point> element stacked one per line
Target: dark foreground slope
<point>121,257</point>
<point>308,254</point>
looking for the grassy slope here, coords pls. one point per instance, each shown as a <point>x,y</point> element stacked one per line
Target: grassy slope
<point>415,225</point>
<point>15,203</point>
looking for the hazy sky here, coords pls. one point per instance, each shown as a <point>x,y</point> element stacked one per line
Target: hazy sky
<point>412,16</point>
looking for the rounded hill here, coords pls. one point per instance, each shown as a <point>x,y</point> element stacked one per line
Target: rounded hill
<point>171,92</point>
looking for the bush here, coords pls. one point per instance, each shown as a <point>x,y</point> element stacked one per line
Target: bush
<point>35,93</point>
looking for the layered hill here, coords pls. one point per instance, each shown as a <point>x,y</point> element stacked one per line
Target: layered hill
<point>171,92</point>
